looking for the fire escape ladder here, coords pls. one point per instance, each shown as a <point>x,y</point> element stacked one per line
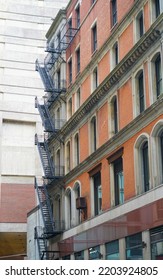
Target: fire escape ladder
<point>70,33</point>
<point>45,115</point>
<point>45,76</point>
<point>46,210</point>
<point>45,157</point>
<point>41,243</point>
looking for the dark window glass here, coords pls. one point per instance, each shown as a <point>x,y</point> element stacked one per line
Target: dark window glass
<point>94,38</point>
<point>69,35</point>
<point>158,76</point>
<point>118,181</point>
<point>141,92</point>
<point>115,115</point>
<point>77,148</point>
<point>116,53</point>
<point>157,7</point>
<point>114,11</point>
<point>97,193</point>
<point>66,258</point>
<point>70,70</point>
<point>78,16</point>
<point>141,27</point>
<point>59,79</point>
<point>134,247</point>
<point>93,134</point>
<point>145,166</point>
<point>156,236</point>
<point>78,60</point>
<point>79,255</point>
<point>94,253</point>
<point>112,250</point>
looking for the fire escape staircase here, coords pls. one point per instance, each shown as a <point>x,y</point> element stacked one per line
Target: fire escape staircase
<point>51,228</point>
<point>50,126</point>
<point>49,171</point>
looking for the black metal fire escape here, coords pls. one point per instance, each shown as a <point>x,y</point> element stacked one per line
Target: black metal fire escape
<point>51,172</point>
<point>51,227</point>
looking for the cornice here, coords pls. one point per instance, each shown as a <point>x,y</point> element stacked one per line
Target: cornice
<point>125,65</point>
<point>61,15</point>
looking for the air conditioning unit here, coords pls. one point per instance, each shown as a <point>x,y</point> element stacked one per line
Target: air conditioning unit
<point>81,203</point>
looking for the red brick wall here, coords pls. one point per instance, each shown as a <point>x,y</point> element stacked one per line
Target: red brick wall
<point>16,201</point>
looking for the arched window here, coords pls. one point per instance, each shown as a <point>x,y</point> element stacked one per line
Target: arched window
<point>142,170</point>
<point>157,153</point>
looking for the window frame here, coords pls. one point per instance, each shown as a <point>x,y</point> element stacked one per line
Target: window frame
<point>113,12</point>
<point>94,37</point>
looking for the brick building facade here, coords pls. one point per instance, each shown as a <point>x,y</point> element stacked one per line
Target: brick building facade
<point>105,128</point>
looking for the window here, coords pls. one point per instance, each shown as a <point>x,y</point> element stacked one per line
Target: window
<point>69,108</point>
<point>58,163</point>
<point>114,55</point>
<point>68,157</point>
<point>78,16</point>
<point>59,41</point>
<point>156,237</point>
<point>78,60</point>
<point>70,35</point>
<point>57,121</point>
<point>77,212</point>
<point>97,193</point>
<point>95,79</point>
<point>59,79</point>
<point>114,12</point>
<point>140,92</point>
<point>134,247</point>
<point>142,170</point>
<point>113,116</point>
<point>57,211</point>
<point>139,25</point>
<point>93,133</point>
<point>68,208</point>
<point>94,38</point>
<point>70,70</point>
<point>78,98</point>
<point>79,255</point>
<point>118,182</point>
<point>93,1</point>
<point>145,166</point>
<point>94,253</point>
<point>66,257</point>
<point>76,149</point>
<point>157,7</point>
<point>112,250</point>
<point>158,75</point>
